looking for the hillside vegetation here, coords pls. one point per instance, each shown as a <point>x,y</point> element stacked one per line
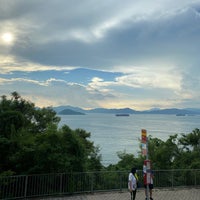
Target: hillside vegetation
<point>70,112</point>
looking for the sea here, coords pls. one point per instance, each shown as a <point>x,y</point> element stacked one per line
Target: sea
<point>113,134</point>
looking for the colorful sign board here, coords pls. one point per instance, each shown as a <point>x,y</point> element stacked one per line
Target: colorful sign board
<point>144,136</point>
<point>144,141</point>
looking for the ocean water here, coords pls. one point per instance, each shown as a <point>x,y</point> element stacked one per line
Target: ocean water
<point>117,134</point>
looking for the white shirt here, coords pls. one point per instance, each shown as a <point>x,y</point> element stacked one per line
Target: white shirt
<point>132,183</point>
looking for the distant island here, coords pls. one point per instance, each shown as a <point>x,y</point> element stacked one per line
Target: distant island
<point>70,112</point>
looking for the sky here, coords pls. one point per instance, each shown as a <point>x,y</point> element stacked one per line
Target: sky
<point>140,54</point>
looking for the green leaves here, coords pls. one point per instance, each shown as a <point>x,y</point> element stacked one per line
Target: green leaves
<point>10,123</point>
<point>30,141</point>
<point>177,152</point>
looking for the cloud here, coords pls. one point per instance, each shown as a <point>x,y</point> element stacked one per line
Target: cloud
<point>120,42</point>
<point>113,53</point>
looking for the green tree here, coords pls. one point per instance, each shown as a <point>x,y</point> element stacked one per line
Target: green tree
<point>189,150</point>
<point>92,153</point>
<point>30,141</point>
<point>10,123</point>
<point>162,154</point>
<point>174,153</point>
<point>17,113</point>
<point>126,162</point>
<point>191,141</point>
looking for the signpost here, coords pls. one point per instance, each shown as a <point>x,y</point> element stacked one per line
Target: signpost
<point>147,164</point>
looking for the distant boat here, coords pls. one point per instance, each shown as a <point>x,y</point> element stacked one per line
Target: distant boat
<point>122,115</point>
<point>180,114</point>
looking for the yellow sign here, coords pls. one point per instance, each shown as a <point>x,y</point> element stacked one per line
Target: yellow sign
<point>144,136</point>
<point>144,141</point>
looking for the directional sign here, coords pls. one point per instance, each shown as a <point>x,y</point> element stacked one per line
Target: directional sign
<point>144,141</point>
<point>144,136</point>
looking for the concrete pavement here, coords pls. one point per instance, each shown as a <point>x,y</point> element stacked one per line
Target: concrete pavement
<point>158,194</point>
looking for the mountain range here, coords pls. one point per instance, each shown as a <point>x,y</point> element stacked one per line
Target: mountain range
<point>70,110</point>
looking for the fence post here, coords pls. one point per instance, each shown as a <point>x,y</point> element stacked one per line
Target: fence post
<point>195,178</point>
<point>172,179</point>
<point>120,181</point>
<point>61,184</point>
<point>26,186</point>
<point>92,182</point>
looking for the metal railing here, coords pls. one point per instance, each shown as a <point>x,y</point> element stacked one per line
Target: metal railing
<point>16,187</point>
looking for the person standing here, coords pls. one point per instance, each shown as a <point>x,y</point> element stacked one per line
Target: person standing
<point>132,183</point>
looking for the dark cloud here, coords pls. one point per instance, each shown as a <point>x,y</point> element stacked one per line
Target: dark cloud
<point>172,38</point>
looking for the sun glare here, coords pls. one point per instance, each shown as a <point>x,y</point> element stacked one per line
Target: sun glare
<point>7,38</point>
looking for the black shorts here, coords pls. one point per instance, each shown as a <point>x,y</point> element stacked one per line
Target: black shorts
<point>150,186</point>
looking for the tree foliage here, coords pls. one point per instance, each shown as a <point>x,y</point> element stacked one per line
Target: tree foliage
<point>31,142</point>
<point>177,152</point>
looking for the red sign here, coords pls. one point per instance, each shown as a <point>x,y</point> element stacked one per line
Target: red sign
<point>146,172</point>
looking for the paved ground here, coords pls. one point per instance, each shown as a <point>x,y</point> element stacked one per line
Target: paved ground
<point>176,194</point>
